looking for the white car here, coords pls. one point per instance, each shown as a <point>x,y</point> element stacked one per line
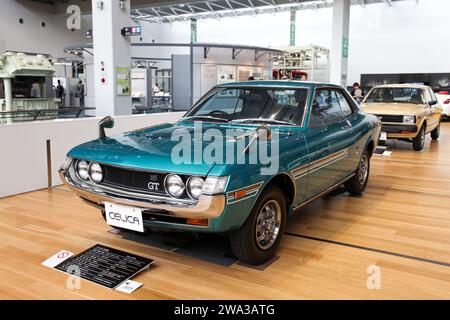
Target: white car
<point>443,97</point>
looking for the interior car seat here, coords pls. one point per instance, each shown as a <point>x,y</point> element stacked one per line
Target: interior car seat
<point>254,104</point>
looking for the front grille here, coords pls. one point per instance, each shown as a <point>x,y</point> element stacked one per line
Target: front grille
<point>134,180</point>
<point>390,118</point>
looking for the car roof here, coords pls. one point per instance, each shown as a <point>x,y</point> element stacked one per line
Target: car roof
<point>403,85</point>
<point>278,83</point>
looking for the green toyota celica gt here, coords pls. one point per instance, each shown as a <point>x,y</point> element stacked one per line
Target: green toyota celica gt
<point>245,157</point>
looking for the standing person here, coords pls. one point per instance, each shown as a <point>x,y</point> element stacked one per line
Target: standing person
<point>156,89</point>
<point>80,92</point>
<point>60,92</point>
<point>357,93</point>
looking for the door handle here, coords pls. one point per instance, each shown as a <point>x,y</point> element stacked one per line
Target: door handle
<point>346,125</point>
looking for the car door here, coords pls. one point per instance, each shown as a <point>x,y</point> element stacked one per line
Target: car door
<point>429,110</point>
<point>354,140</point>
<point>328,137</point>
<point>435,115</point>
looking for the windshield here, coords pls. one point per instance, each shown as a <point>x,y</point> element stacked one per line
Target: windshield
<point>395,95</point>
<point>252,105</point>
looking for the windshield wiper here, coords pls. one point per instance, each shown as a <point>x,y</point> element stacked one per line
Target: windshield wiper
<point>270,121</point>
<point>207,118</point>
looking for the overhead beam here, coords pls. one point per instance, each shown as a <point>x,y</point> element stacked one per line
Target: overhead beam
<point>235,53</point>
<point>86,7</point>
<point>245,7</point>
<point>258,55</point>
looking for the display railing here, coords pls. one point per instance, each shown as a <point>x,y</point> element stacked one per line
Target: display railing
<point>35,115</point>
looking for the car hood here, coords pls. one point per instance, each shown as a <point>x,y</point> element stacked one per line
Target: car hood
<point>151,148</point>
<point>391,108</point>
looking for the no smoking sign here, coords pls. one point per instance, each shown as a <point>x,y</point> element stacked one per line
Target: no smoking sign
<point>57,259</point>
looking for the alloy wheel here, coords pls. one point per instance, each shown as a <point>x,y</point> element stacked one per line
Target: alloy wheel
<point>363,170</point>
<point>268,224</point>
<point>422,137</point>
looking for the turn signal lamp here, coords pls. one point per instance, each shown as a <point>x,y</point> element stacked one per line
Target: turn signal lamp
<point>198,222</point>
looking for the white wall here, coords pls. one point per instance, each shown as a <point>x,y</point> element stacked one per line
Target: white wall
<point>23,160</point>
<point>408,37</point>
<point>31,36</point>
<point>405,38</point>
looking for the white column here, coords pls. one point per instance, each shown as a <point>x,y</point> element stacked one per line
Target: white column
<point>111,50</point>
<point>339,42</point>
<point>8,98</point>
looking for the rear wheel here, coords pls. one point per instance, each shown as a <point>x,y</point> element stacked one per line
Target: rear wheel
<point>436,132</point>
<point>258,239</point>
<point>358,183</point>
<point>419,140</point>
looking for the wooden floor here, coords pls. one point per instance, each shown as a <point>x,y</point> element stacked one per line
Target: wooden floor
<point>401,225</point>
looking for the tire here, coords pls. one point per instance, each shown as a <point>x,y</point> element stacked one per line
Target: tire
<point>244,242</point>
<point>358,183</point>
<point>419,140</point>
<point>436,132</point>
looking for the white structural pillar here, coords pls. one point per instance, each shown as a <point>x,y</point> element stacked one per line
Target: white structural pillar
<point>339,42</point>
<point>111,51</point>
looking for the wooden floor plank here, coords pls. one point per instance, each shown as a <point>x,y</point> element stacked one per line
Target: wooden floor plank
<point>401,225</point>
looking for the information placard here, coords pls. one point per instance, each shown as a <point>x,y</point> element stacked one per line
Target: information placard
<point>123,81</point>
<point>105,266</point>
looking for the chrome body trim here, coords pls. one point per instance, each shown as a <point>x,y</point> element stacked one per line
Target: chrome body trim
<point>306,169</point>
<point>207,207</point>
<point>247,193</point>
<point>320,195</point>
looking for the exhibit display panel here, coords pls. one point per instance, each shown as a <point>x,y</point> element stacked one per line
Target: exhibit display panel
<point>310,61</point>
<point>197,67</point>
<point>226,65</point>
<point>141,86</point>
<point>25,87</point>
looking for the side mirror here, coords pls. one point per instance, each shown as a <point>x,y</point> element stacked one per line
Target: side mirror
<point>432,103</point>
<point>262,133</point>
<point>105,123</point>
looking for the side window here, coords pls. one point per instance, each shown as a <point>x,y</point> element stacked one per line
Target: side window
<point>326,108</point>
<point>433,96</point>
<point>345,107</point>
<point>427,96</point>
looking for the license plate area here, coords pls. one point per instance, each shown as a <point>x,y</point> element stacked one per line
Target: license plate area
<point>124,217</point>
<point>383,136</point>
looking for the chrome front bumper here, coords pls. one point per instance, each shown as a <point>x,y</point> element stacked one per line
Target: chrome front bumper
<point>207,207</point>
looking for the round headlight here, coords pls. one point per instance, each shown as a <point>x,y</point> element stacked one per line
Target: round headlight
<point>175,185</point>
<point>95,172</point>
<point>83,170</point>
<point>195,187</point>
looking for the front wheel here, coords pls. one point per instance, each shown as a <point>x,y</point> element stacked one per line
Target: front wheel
<point>436,132</point>
<point>258,239</point>
<point>419,140</point>
<point>358,183</point>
